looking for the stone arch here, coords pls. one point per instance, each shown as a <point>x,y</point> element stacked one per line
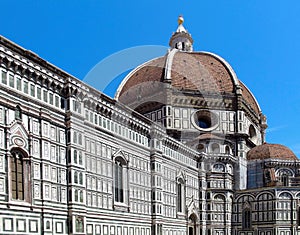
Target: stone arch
<point>285,195</point>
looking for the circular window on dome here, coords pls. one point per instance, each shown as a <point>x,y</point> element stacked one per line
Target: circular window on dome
<point>205,120</point>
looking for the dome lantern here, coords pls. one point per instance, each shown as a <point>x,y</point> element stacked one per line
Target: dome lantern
<point>181,39</point>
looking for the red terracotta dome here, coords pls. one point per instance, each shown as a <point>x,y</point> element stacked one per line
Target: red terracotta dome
<point>186,71</point>
<point>271,151</point>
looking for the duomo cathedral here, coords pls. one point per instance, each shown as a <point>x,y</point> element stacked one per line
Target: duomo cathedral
<point>180,150</point>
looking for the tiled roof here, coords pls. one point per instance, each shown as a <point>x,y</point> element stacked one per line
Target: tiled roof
<point>144,81</point>
<point>200,72</point>
<point>271,151</point>
<point>249,98</point>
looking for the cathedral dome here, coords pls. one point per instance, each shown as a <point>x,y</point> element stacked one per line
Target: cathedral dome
<point>202,72</point>
<point>184,71</point>
<point>271,151</point>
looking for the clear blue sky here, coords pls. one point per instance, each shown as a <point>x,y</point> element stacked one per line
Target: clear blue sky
<point>260,39</point>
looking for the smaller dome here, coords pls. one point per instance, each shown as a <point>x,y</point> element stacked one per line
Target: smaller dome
<point>271,151</point>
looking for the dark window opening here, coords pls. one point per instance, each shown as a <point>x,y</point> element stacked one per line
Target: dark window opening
<point>285,180</point>
<point>179,197</point>
<point>18,113</point>
<point>17,166</point>
<point>246,219</point>
<point>298,216</point>
<point>119,189</point>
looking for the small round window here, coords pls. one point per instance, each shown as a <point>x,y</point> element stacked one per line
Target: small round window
<point>205,120</point>
<point>201,148</point>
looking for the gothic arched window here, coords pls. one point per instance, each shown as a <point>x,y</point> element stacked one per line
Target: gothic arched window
<point>246,218</point>
<point>80,178</point>
<point>192,224</point>
<point>80,138</point>
<point>18,113</point>
<point>80,158</point>
<point>76,177</point>
<point>76,195</point>
<point>75,156</point>
<point>18,176</point>
<point>180,195</point>
<point>75,137</point>
<point>81,196</point>
<point>79,224</point>
<point>119,179</point>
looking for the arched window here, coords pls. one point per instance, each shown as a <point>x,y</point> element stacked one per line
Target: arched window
<point>81,196</point>
<point>284,179</point>
<point>48,225</point>
<point>180,195</point>
<point>19,172</point>
<point>80,138</point>
<point>192,224</point>
<point>75,156</point>
<point>76,177</point>
<point>75,137</point>
<point>80,158</point>
<point>284,176</point>
<point>80,178</point>
<point>17,176</point>
<point>246,218</point>
<point>227,150</point>
<point>79,224</point>
<point>76,195</point>
<point>119,179</point>
<point>18,113</point>
<point>215,148</point>
<point>183,46</point>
